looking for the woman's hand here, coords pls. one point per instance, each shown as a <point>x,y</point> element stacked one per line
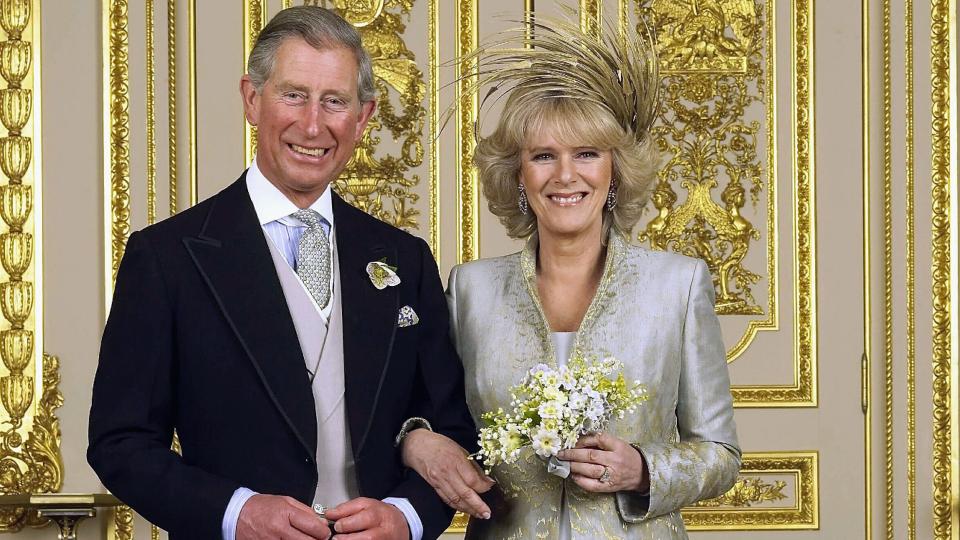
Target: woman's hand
<point>445,465</point>
<point>602,463</point>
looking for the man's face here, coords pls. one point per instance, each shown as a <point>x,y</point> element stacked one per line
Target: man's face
<point>308,117</point>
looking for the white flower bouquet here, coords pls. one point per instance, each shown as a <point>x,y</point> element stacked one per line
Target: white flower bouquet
<point>553,407</point>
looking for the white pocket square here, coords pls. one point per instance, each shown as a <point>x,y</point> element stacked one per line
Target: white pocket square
<point>407,317</point>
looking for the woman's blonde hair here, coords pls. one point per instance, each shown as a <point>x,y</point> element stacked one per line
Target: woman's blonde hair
<point>574,122</point>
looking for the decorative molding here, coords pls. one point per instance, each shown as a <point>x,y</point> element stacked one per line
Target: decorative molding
<point>120,527</point>
<point>467,196</point>
<point>116,129</point>
<point>888,360</point>
<point>865,358</point>
<point>254,18</point>
<point>192,95</point>
<point>30,459</point>
<point>116,158</point>
<point>943,79</point>
<point>911,284</point>
<point>172,104</point>
<point>745,506</point>
<point>151,116</point>
<point>433,31</point>
<point>803,391</point>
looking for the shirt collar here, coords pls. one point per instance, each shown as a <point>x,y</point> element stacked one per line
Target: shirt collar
<point>272,205</point>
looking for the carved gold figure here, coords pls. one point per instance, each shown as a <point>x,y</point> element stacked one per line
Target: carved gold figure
<point>711,60</point>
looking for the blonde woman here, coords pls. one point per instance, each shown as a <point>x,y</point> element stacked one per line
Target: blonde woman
<point>568,168</point>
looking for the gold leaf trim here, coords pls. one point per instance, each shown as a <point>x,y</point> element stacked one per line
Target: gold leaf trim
<point>467,196</point>
<point>116,94</point>
<point>943,81</point>
<point>30,459</point>
<point>803,391</point>
<point>172,104</point>
<point>254,19</point>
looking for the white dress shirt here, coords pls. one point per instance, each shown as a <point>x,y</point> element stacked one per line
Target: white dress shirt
<point>274,211</point>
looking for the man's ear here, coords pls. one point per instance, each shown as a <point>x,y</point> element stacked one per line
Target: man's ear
<point>367,108</point>
<point>251,100</point>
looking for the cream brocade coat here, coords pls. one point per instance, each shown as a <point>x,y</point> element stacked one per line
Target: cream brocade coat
<point>654,311</point>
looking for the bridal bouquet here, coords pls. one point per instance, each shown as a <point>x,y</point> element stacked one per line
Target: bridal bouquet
<point>552,408</point>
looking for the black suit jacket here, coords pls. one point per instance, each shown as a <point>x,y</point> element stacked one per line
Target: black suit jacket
<point>199,339</point>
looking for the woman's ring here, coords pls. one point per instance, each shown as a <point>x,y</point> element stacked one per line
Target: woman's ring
<point>605,475</point>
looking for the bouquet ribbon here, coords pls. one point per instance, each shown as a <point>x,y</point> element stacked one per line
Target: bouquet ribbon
<point>558,467</point>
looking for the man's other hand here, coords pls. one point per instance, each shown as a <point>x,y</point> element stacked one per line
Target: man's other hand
<point>446,466</point>
<point>369,519</point>
<point>273,516</point>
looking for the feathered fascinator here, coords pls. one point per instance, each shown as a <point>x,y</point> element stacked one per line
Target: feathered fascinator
<point>547,58</point>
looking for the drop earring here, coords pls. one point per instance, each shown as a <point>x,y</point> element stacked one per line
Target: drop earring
<point>612,196</point>
<point>522,201</point>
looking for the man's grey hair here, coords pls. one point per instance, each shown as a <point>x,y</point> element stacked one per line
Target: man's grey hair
<point>321,29</point>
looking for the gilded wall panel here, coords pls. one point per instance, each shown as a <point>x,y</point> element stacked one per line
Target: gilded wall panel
<point>715,197</point>
<point>774,491</point>
<point>30,460</point>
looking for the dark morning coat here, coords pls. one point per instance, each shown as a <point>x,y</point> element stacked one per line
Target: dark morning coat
<point>199,340</point>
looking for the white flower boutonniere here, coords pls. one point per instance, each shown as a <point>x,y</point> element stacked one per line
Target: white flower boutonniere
<point>382,275</point>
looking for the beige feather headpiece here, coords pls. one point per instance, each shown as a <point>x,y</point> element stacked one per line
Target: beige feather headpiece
<point>548,58</point>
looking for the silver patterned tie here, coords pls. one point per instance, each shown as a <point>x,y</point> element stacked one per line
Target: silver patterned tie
<point>313,257</point>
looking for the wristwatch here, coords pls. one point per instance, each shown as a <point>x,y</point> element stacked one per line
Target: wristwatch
<point>409,425</point>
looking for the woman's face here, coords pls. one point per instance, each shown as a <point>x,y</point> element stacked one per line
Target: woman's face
<point>566,186</point>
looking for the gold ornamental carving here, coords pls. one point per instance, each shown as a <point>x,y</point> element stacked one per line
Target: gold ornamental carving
<point>712,60</point>
<point>715,197</point>
<point>747,492</point>
<point>946,494</point>
<point>751,503</point>
<point>383,186</point>
<point>30,460</point>
<point>117,125</point>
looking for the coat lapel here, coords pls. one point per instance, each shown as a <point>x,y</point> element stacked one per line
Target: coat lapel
<point>231,254</point>
<point>369,316</point>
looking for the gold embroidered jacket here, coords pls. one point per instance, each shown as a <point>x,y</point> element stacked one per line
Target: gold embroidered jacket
<point>654,311</point>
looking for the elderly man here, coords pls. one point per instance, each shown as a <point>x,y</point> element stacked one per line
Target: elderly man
<point>286,336</point>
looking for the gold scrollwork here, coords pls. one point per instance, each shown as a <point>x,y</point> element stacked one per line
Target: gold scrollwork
<point>748,491</point>
<point>30,459</point>
<point>747,504</point>
<point>254,17</point>
<point>116,149</point>
<point>117,125</point>
<point>379,185</point>
<point>121,526</point>
<point>712,58</point>
<point>468,247</point>
<point>944,168</point>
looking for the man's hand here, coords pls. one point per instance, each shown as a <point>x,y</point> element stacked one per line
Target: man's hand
<point>445,466</point>
<point>369,519</point>
<point>273,516</point>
